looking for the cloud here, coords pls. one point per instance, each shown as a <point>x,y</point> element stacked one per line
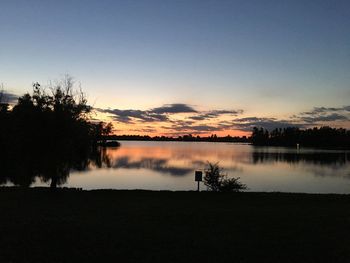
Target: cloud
<point>207,122</point>
<point>248,123</point>
<point>254,119</point>
<point>161,114</point>
<point>326,118</point>
<point>182,127</point>
<point>324,114</point>
<point>127,116</point>
<point>173,108</point>
<point>346,108</point>
<point>326,110</point>
<point>145,130</point>
<point>214,114</point>
<point>6,97</point>
<point>206,128</point>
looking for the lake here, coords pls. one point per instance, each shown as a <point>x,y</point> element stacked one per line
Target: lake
<point>171,166</point>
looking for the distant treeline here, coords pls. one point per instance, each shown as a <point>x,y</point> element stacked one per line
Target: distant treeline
<point>187,138</point>
<point>291,136</point>
<point>314,137</point>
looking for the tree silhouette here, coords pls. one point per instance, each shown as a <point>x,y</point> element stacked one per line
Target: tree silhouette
<point>48,133</point>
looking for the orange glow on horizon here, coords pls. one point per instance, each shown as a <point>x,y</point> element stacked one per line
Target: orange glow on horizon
<point>181,124</point>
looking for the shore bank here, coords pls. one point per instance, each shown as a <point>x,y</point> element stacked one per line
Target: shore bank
<point>37,225</point>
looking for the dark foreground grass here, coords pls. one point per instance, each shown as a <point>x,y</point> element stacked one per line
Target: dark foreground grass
<point>37,225</point>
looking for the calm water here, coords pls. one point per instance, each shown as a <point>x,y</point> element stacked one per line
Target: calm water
<point>171,166</point>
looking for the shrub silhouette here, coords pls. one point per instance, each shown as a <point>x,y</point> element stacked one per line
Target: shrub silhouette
<point>216,181</point>
<point>232,185</point>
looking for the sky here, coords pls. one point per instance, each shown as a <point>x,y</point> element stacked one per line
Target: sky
<point>178,67</point>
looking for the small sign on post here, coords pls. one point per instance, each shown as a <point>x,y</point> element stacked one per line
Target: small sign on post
<point>198,177</point>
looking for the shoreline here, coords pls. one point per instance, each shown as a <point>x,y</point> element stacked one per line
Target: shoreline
<point>77,189</point>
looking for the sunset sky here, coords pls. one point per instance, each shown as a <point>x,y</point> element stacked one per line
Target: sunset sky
<point>178,67</point>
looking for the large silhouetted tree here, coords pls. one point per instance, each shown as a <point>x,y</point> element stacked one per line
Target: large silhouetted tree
<point>48,133</point>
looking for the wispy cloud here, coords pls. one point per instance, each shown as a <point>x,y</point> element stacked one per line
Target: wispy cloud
<point>178,119</point>
<point>127,116</point>
<point>324,114</point>
<point>6,97</point>
<point>161,114</point>
<point>214,114</point>
<point>247,124</point>
<point>192,128</point>
<point>325,118</point>
<point>173,108</point>
<point>325,110</point>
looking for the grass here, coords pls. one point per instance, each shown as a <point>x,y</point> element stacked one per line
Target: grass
<point>37,225</point>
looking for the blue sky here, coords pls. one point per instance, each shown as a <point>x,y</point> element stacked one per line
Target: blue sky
<point>271,59</point>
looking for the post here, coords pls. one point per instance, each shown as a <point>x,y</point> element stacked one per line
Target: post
<point>198,178</point>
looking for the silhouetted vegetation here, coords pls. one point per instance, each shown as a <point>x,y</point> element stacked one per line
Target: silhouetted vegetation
<point>315,137</point>
<point>46,134</point>
<point>216,181</point>
<point>185,138</point>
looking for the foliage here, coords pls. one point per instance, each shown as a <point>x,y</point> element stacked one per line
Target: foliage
<point>213,177</point>
<point>102,130</point>
<point>232,185</point>
<point>216,181</point>
<point>48,132</point>
<point>290,136</point>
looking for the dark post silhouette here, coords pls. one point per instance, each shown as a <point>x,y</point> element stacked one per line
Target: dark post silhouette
<point>198,178</point>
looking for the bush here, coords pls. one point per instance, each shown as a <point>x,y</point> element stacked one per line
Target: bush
<point>216,181</point>
<point>232,185</point>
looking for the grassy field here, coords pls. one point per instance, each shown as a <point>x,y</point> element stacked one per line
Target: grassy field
<point>37,225</point>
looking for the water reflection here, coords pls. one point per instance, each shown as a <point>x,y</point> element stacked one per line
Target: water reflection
<point>170,166</point>
<point>319,158</point>
<point>175,160</point>
<point>25,169</point>
<point>158,165</point>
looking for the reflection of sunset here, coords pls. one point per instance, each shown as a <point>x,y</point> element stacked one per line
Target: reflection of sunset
<point>171,165</point>
<point>179,154</point>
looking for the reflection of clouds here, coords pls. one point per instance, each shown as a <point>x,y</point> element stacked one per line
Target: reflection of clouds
<point>190,154</point>
<point>198,163</point>
<point>229,169</point>
<point>164,165</point>
<point>330,171</point>
<point>181,159</point>
<point>158,165</point>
